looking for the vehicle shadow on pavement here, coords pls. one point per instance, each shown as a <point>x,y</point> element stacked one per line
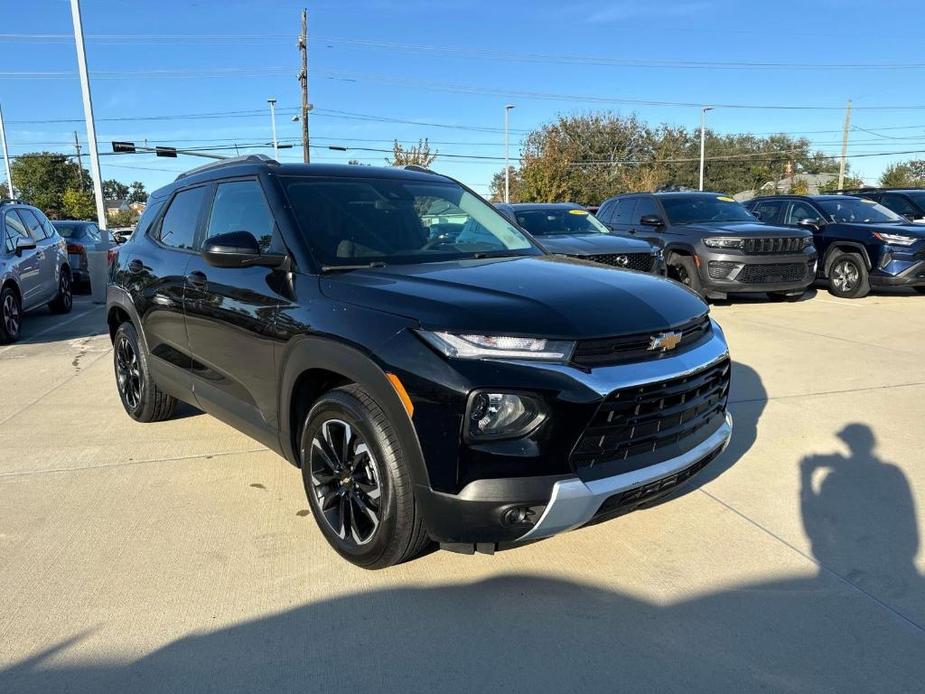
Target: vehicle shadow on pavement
<point>841,627</point>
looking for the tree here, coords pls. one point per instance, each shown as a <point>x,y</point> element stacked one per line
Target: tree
<point>42,178</point>
<point>514,186</point>
<point>418,154</point>
<point>114,190</point>
<point>137,192</point>
<point>906,174</point>
<point>78,204</point>
<point>122,218</point>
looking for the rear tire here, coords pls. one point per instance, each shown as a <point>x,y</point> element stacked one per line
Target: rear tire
<point>683,269</point>
<point>64,301</point>
<point>10,315</point>
<point>848,276</point>
<point>141,398</point>
<point>358,487</point>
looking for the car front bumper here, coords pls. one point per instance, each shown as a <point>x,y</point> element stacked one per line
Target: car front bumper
<point>722,272</point>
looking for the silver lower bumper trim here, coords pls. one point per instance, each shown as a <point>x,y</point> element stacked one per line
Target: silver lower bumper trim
<point>573,502</point>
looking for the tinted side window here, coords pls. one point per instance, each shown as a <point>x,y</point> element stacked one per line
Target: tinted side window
<point>50,231</point>
<point>240,206</point>
<point>14,230</point>
<point>899,204</point>
<point>148,216</point>
<point>623,211</point>
<point>178,228</point>
<point>605,212</point>
<point>800,211</point>
<point>644,206</point>
<point>32,224</point>
<point>768,211</point>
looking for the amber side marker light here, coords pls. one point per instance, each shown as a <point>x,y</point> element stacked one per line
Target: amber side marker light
<point>402,393</point>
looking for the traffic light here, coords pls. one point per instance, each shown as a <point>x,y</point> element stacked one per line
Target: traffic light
<point>127,147</point>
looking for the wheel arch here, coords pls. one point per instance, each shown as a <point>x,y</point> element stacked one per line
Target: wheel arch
<point>121,309</point>
<point>844,247</point>
<point>314,365</point>
<point>11,283</point>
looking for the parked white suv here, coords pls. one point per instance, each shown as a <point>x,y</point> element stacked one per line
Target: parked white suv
<point>34,269</point>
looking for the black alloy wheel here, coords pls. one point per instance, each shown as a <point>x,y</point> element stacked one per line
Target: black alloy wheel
<point>10,315</point>
<point>128,372</point>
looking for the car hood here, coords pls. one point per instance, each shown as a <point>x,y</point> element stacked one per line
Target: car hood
<point>592,244</point>
<point>541,296</point>
<point>744,229</point>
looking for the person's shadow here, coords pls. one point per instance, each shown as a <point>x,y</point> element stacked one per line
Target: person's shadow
<point>859,515</point>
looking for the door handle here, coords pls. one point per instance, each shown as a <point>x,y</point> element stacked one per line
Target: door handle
<point>196,279</point>
<point>135,265</point>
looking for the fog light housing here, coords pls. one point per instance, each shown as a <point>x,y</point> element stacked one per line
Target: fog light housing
<point>494,416</point>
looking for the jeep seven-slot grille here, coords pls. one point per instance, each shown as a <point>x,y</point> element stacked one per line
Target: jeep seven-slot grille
<point>617,350</point>
<point>770,246</point>
<point>641,420</point>
<point>772,273</point>
<point>642,262</point>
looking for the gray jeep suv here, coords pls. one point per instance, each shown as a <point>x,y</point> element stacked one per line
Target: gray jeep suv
<point>34,269</point>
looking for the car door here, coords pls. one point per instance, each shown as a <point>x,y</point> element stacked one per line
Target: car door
<point>231,312</point>
<point>26,267</point>
<point>154,272</point>
<point>802,211</point>
<point>647,205</point>
<point>46,254</point>
<point>769,211</point>
<point>621,215</point>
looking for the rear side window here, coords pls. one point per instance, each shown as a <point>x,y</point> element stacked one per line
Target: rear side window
<point>14,230</point>
<point>32,224</point>
<point>240,206</point>
<point>180,223</point>
<point>623,211</point>
<point>49,228</point>
<point>148,217</point>
<point>768,211</point>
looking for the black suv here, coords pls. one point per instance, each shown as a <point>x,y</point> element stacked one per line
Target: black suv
<point>861,243</point>
<point>477,393</point>
<point>906,202</point>
<point>713,245</point>
<point>569,229</point>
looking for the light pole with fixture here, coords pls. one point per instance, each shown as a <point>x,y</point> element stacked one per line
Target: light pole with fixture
<point>703,113</point>
<point>272,103</point>
<point>507,162</point>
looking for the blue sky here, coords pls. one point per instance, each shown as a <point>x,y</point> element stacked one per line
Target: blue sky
<point>453,66</point>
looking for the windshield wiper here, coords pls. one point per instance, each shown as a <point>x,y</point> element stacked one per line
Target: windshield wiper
<point>360,266</point>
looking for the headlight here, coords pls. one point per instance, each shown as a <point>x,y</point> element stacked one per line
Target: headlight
<point>497,347</point>
<point>492,416</point>
<point>723,242</point>
<point>896,239</point>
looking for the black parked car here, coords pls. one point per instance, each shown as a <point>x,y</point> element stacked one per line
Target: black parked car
<point>714,246</point>
<point>861,243</point>
<point>569,229</point>
<point>906,202</point>
<point>474,392</point>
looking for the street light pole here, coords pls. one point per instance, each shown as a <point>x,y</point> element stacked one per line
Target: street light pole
<point>6,158</point>
<point>88,116</point>
<point>272,103</point>
<point>703,112</point>
<point>507,162</point>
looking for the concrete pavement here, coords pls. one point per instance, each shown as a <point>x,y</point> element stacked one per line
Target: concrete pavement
<point>179,556</point>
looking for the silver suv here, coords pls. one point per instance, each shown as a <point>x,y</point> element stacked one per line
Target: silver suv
<point>34,268</point>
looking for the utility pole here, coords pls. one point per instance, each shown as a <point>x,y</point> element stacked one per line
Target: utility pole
<point>507,163</point>
<point>844,147</point>
<point>6,158</point>
<point>92,151</point>
<point>303,79</point>
<point>80,162</point>
<point>272,103</point>
<point>703,115</point>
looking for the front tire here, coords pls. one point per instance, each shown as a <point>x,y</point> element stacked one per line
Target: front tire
<point>141,398</point>
<point>358,487</point>
<point>10,315</point>
<point>848,276</point>
<point>64,300</point>
<point>683,269</point>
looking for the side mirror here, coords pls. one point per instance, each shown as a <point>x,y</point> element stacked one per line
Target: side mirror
<point>237,249</point>
<point>811,224</point>
<point>24,244</point>
<point>651,220</point>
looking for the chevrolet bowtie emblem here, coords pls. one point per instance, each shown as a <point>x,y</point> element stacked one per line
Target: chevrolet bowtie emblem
<point>664,341</point>
<point>622,260</point>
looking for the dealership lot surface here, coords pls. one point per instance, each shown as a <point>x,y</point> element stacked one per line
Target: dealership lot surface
<point>180,556</point>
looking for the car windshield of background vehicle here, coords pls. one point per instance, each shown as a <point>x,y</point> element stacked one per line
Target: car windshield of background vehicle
<point>67,229</point>
<point>859,211</point>
<point>549,222</point>
<point>696,209</point>
<point>361,221</point>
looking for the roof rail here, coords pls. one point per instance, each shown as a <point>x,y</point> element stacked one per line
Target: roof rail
<point>416,167</point>
<point>232,161</point>
<point>11,201</point>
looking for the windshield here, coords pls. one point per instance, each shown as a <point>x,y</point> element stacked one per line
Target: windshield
<point>858,211</point>
<point>692,209</point>
<point>350,221</point>
<point>67,229</point>
<point>550,221</point>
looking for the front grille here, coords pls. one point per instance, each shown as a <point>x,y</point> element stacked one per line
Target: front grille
<point>642,262</point>
<point>771,246</point>
<point>772,273</point>
<point>634,425</point>
<point>618,350</point>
